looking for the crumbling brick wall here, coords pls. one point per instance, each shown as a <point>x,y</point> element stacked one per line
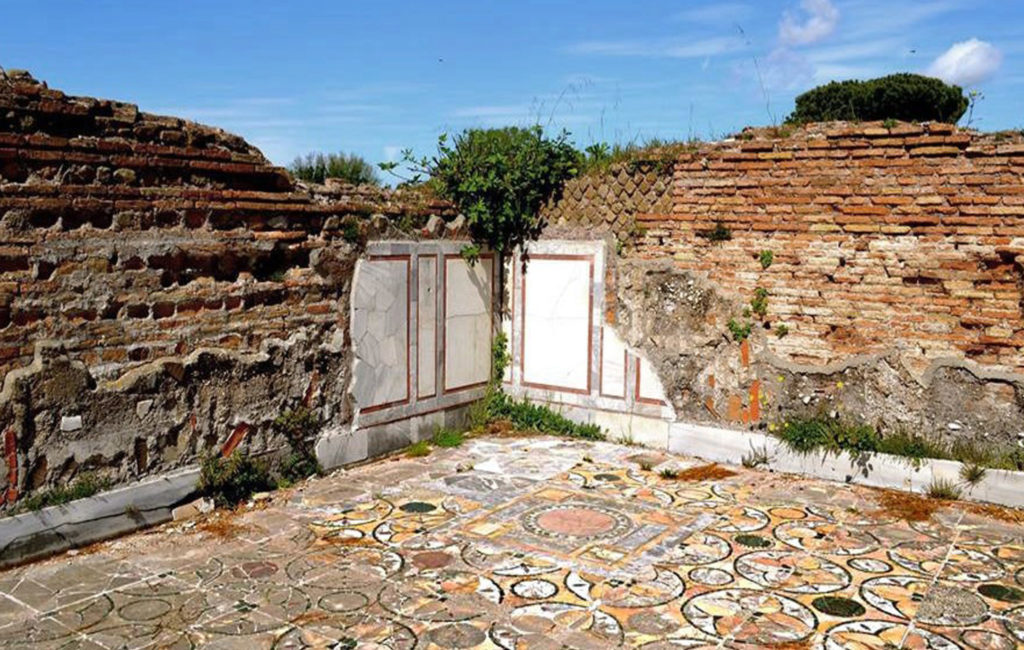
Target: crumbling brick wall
<point>164,290</point>
<point>897,267</point>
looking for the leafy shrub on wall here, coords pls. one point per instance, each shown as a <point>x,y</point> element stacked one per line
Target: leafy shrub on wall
<point>908,97</point>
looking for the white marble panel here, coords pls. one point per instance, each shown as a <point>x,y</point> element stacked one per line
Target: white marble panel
<point>426,342</point>
<point>556,323</point>
<point>613,364</point>
<point>649,385</point>
<point>467,333</point>
<point>380,332</point>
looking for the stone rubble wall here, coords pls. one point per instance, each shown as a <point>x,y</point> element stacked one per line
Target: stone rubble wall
<point>898,269</point>
<point>164,290</point>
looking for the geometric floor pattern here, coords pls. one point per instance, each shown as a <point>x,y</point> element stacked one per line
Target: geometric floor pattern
<point>537,543</point>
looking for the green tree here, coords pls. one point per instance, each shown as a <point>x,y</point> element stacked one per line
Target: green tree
<point>908,97</point>
<point>317,166</point>
<point>500,178</point>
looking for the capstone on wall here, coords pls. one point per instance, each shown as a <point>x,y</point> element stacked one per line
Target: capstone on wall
<point>164,290</point>
<point>896,268</point>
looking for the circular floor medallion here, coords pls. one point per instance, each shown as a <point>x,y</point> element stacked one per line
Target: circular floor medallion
<point>825,537</point>
<point>986,640</point>
<point>710,576</point>
<point>442,596</point>
<point>792,572</point>
<point>919,600</point>
<point>650,588</point>
<point>869,565</point>
<point>700,549</point>
<point>884,634</point>
<point>750,616</point>
<point>533,627</point>
<point>958,565</point>
<point>534,589</point>
<point>578,521</point>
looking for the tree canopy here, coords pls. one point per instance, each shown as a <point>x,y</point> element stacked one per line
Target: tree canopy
<point>908,97</point>
<point>317,166</point>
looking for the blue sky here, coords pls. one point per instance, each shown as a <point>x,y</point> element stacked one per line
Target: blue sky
<point>376,77</point>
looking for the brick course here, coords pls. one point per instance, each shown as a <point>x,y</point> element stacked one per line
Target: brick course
<point>128,240</point>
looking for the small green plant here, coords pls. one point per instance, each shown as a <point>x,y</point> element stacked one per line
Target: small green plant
<point>300,427</point>
<point>447,438</point>
<point>739,332</point>
<point>759,303</point>
<point>316,167</point>
<point>781,330</point>
<point>890,123</point>
<point>646,465</point>
<point>912,446</point>
<point>350,231</point>
<point>719,233</point>
<point>756,457</point>
<point>766,258</point>
<point>229,481</point>
<point>944,489</point>
<point>418,449</point>
<point>526,416</point>
<point>669,473</point>
<point>470,253</point>
<point>972,473</point>
<point>86,485</point>
<point>804,435</point>
<point>500,357</point>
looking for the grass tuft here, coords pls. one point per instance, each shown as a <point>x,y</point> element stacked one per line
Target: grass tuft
<point>418,449</point>
<point>448,438</point>
<point>943,489</point>
<point>86,485</point>
<point>972,473</point>
<point>229,481</point>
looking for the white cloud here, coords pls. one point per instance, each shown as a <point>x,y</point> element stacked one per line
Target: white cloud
<point>967,63</point>
<point>821,20</point>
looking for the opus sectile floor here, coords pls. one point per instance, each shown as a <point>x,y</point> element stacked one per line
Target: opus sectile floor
<point>537,543</point>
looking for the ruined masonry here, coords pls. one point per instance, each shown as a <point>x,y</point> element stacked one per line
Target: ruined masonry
<point>166,292</point>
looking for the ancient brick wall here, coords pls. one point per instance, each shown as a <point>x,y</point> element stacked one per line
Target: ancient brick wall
<point>163,288</point>
<point>897,268</point>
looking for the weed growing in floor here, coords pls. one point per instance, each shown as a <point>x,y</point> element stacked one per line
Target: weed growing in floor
<point>418,449</point>
<point>822,433</point>
<point>229,481</point>
<point>669,473</point>
<point>943,489</point>
<point>526,416</point>
<point>972,473</point>
<point>756,458</point>
<point>646,465</point>
<point>86,485</point>
<point>447,438</point>
<point>300,427</point>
